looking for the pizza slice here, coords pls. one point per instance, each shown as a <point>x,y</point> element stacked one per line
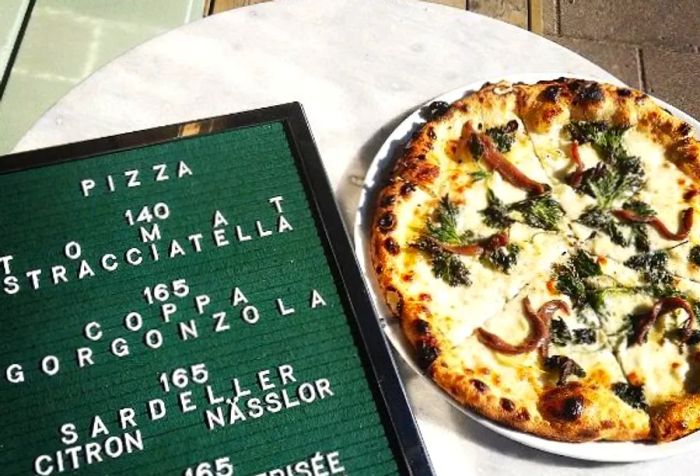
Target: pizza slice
<point>467,205</point>
<point>424,253</point>
<point>537,244</point>
<point>625,169</point>
<point>541,365</point>
<point>649,319</point>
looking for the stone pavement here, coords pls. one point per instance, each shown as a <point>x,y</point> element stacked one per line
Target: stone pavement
<point>653,45</point>
<point>650,44</point>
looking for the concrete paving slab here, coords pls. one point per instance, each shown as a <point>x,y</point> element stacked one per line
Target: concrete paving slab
<point>673,76</point>
<point>620,60</point>
<point>514,12</point>
<point>673,24</point>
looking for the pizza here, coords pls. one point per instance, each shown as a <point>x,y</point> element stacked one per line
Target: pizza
<point>537,244</point>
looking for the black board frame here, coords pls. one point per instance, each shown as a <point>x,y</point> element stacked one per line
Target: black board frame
<point>389,395</point>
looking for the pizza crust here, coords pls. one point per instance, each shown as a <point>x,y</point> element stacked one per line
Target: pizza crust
<point>439,322</point>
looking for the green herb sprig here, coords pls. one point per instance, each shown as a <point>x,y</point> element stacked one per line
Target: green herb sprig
<point>540,211</point>
<point>620,233</point>
<point>503,258</point>
<point>694,255</point>
<point>443,227</point>
<point>570,277</point>
<point>503,136</point>
<point>445,265</point>
<point>617,177</point>
<point>496,212</point>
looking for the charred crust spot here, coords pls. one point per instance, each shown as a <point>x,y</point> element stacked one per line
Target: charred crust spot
<point>684,129</point>
<point>408,164</point>
<point>387,221</point>
<point>379,269</point>
<point>422,327</point>
<point>391,246</point>
<point>572,408</point>
<point>507,405</point>
<point>586,93</point>
<point>431,133</point>
<point>427,173</point>
<point>394,300</point>
<point>551,93</point>
<point>549,114</point>
<point>574,85</point>
<point>624,92</point>
<point>522,415</point>
<point>478,385</point>
<point>434,110</point>
<point>388,200</point>
<point>427,353</point>
<point>399,305</point>
<point>407,188</point>
<point>563,402</point>
<point>420,157</point>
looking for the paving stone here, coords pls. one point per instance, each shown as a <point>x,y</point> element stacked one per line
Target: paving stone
<point>511,11</point>
<point>549,14</point>
<point>618,59</point>
<point>674,24</point>
<point>672,76</point>
<point>461,4</point>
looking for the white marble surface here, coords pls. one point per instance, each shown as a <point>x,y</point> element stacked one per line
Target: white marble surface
<point>358,67</point>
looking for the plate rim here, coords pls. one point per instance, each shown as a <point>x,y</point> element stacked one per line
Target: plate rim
<point>599,451</point>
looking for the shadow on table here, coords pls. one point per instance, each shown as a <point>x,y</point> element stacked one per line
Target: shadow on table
<point>351,184</point>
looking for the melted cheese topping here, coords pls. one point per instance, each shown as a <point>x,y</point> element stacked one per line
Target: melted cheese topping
<point>595,358</point>
<point>458,310</point>
<point>664,191</point>
<point>494,300</point>
<point>664,366</point>
<point>659,364</point>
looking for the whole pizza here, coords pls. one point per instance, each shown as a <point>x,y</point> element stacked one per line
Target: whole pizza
<point>537,243</point>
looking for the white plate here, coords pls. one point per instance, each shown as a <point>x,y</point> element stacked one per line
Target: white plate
<point>376,178</point>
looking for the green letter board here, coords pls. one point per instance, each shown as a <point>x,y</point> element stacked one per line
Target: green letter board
<point>185,300</point>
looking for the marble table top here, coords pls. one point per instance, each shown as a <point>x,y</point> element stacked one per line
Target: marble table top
<point>358,67</point>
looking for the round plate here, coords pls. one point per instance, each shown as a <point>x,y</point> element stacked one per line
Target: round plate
<point>376,177</point>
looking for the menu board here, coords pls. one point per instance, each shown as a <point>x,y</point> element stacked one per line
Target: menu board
<point>185,301</point>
